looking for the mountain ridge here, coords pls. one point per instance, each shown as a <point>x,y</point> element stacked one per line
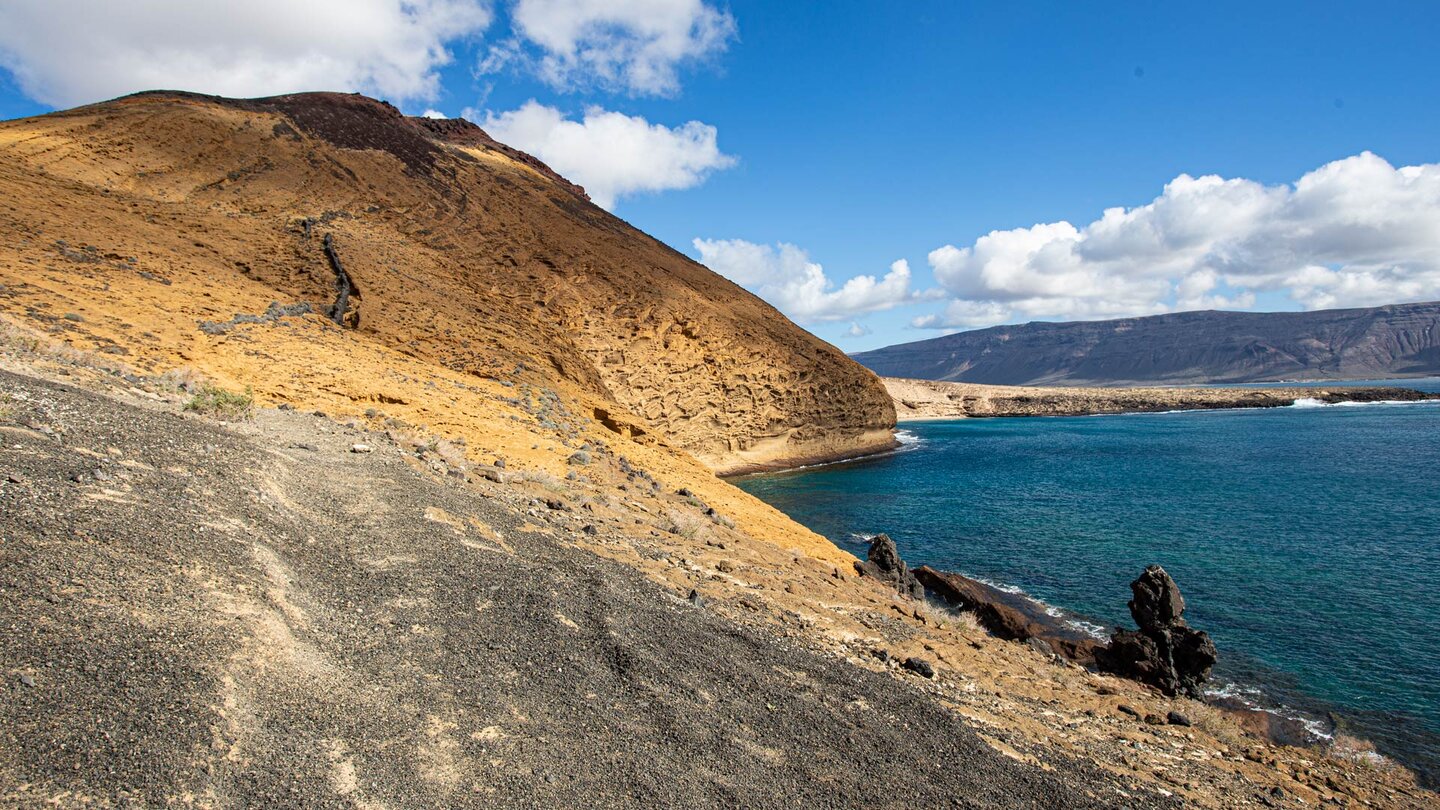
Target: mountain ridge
<point>1199,347</point>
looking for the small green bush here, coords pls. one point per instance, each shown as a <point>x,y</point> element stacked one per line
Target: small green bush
<point>212,400</point>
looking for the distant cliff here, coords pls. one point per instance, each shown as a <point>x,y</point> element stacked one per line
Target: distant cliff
<point>1183,348</point>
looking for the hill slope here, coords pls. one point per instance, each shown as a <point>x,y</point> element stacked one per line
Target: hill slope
<point>220,619</point>
<point>151,216</point>
<point>1182,348</point>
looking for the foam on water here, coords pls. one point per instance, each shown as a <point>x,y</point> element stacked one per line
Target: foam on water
<point>1311,402</point>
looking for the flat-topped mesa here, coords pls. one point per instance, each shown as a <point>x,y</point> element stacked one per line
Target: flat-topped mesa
<point>472,255</point>
<point>1181,348</point>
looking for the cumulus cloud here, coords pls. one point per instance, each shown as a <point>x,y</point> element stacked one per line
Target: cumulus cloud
<point>67,52</point>
<point>634,46</point>
<point>784,276</point>
<point>1355,232</point>
<point>856,330</point>
<point>611,154</point>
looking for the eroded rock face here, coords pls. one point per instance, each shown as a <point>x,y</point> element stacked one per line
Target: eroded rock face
<point>884,564</point>
<point>1165,652</point>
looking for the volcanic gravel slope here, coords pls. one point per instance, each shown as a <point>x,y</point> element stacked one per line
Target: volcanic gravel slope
<point>262,617</point>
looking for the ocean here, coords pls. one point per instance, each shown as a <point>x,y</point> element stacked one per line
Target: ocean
<point>1306,539</point>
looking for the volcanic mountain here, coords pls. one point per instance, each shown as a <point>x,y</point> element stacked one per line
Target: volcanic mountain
<point>1182,348</point>
<point>150,216</point>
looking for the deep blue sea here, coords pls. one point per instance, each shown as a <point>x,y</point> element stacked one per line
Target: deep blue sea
<point>1306,540</point>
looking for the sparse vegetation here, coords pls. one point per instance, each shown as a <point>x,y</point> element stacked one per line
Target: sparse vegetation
<point>212,400</point>
<point>7,410</point>
<point>545,480</point>
<point>182,380</point>
<point>948,618</point>
<point>20,341</point>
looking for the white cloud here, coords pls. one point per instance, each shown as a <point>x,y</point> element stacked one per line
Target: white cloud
<point>784,275</point>
<point>629,45</point>
<point>433,114</point>
<point>611,154</point>
<point>857,331</point>
<point>964,315</point>
<point>67,52</point>
<point>1355,232</point>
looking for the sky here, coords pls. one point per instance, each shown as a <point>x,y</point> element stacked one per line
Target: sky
<point>882,172</point>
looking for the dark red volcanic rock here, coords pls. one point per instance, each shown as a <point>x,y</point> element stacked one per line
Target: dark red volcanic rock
<point>461,131</point>
<point>1008,616</point>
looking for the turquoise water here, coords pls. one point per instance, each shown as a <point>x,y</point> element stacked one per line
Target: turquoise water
<point>1306,539</point>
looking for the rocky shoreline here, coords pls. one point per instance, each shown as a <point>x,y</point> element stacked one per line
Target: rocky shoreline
<point>496,634</point>
<point>1164,653</point>
<point>917,400</point>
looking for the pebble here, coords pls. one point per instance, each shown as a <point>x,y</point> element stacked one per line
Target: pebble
<point>1178,719</point>
<point>920,667</point>
<point>1123,709</point>
<point>27,680</point>
<point>359,448</point>
<point>15,478</point>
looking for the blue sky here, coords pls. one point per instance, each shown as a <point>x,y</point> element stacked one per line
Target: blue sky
<point>836,139</point>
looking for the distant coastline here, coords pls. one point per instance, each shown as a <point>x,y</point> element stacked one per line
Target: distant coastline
<point>922,400</point>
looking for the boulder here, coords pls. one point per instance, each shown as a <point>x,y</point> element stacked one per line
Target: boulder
<point>1157,602</point>
<point>1008,616</point>
<point>884,564</point>
<point>962,593</point>
<point>1165,652</point>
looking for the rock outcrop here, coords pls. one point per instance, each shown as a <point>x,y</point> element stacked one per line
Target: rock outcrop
<point>884,564</point>
<point>1008,616</point>
<point>1165,652</point>
<point>1181,348</point>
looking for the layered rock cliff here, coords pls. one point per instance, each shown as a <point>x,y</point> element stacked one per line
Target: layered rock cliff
<point>1183,348</point>
<point>153,215</point>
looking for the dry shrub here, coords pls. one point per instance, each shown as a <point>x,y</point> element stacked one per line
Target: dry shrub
<point>184,380</point>
<point>22,342</point>
<point>212,400</point>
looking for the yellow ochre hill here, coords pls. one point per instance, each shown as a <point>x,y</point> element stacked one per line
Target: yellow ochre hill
<point>419,271</point>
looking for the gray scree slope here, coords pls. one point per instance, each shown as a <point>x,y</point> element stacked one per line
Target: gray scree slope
<point>192,612</point>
